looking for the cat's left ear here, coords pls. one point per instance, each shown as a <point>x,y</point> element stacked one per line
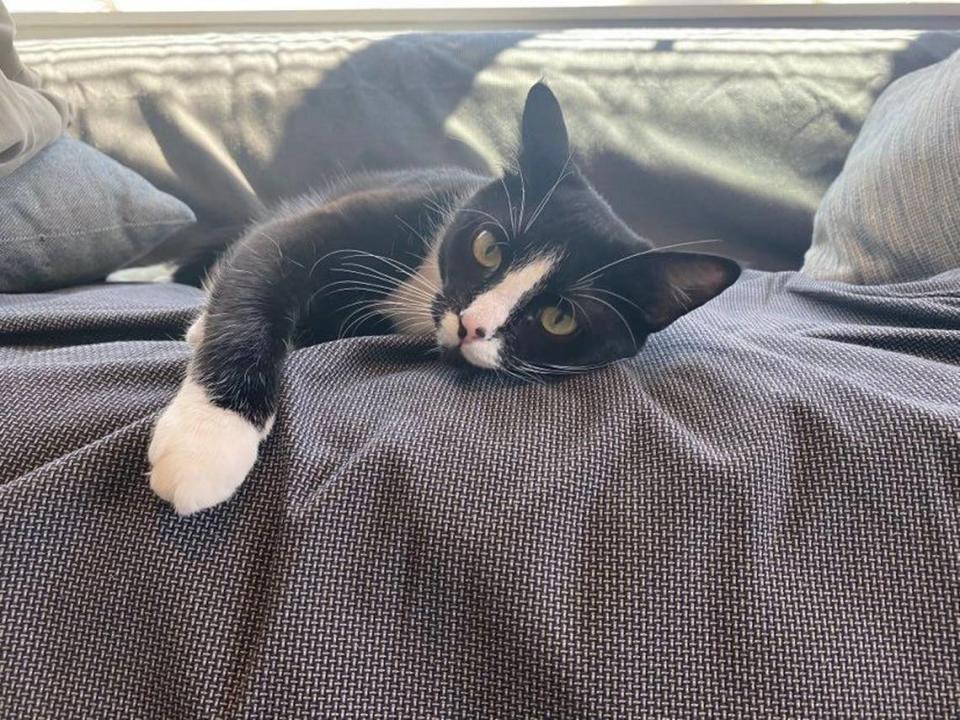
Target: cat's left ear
<point>545,148</point>
<point>675,283</point>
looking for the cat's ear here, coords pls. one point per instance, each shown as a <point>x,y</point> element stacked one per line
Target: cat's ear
<point>675,283</point>
<point>545,148</point>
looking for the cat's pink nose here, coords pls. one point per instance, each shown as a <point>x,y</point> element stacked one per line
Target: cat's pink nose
<point>470,329</point>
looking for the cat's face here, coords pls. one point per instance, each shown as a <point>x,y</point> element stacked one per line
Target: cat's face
<point>540,277</point>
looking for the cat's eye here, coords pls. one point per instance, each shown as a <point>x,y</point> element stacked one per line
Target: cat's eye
<point>486,251</point>
<point>558,320</point>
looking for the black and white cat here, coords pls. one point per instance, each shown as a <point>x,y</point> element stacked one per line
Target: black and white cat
<point>529,274</point>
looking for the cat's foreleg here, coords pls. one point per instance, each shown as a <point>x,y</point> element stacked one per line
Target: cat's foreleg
<point>206,441</point>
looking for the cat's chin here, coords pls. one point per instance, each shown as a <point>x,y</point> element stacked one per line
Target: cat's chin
<point>485,355</point>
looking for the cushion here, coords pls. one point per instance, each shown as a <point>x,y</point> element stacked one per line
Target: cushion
<point>893,214</point>
<point>30,118</point>
<point>72,215</point>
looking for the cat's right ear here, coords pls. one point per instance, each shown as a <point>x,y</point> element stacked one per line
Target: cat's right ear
<point>674,283</point>
<point>545,147</point>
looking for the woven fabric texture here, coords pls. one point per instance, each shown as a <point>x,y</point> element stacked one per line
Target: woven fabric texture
<point>756,517</point>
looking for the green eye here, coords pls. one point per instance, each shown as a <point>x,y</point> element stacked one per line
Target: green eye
<point>557,320</point>
<point>486,251</point>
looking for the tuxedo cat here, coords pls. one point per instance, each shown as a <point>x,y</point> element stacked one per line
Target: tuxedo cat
<point>528,274</point>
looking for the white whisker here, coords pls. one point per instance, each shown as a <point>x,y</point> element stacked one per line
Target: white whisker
<point>523,194</point>
<point>594,273</point>
<point>513,220</point>
<point>628,301</point>
<point>427,244</point>
<point>491,217</point>
<point>546,198</point>
<point>379,277</point>
<point>636,345</point>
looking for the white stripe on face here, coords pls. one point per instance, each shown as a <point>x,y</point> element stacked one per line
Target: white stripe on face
<point>491,309</point>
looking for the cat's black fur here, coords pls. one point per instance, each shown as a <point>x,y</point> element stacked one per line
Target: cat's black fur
<point>306,274</point>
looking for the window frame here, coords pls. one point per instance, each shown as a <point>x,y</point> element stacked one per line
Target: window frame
<point>942,15</point>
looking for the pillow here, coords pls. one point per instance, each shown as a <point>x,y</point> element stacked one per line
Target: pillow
<point>893,214</point>
<point>30,118</point>
<point>72,215</point>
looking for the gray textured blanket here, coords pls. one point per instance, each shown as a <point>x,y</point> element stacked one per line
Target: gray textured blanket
<point>757,517</point>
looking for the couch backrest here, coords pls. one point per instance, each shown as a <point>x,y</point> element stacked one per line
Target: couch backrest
<point>691,134</point>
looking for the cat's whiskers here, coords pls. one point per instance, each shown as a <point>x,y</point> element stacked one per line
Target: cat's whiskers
<point>405,270</point>
<point>341,332</point>
<point>681,296</point>
<point>396,306</point>
<point>593,273</point>
<point>588,295</point>
<point>491,217</point>
<point>506,191</point>
<point>576,306</point>
<point>368,309</point>
<point>323,258</point>
<point>354,285</point>
<point>546,198</point>
<point>523,194</point>
<point>418,287</point>
<point>533,377</point>
<point>422,283</point>
<point>379,293</point>
<point>426,293</point>
<point>346,329</point>
<point>446,214</point>
<point>566,369</point>
<point>515,374</point>
<point>280,258</point>
<point>618,296</point>
<point>323,290</point>
<point>427,245</point>
<point>387,308</point>
<point>515,367</point>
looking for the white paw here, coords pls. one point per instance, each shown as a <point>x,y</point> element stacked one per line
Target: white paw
<point>200,453</point>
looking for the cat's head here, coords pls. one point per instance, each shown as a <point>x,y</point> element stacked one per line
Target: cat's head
<point>539,276</point>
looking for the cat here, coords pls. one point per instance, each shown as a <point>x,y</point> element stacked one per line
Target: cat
<point>530,274</point>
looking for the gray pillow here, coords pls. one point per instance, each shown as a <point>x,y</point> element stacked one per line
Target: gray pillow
<point>893,214</point>
<point>72,215</point>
